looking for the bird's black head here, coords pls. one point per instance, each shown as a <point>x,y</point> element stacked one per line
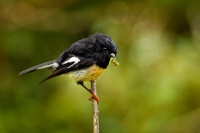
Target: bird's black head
<point>105,49</point>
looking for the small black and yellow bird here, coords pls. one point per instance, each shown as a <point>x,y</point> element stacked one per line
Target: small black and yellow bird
<point>84,60</point>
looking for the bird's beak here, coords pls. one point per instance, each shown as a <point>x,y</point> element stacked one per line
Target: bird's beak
<point>112,55</point>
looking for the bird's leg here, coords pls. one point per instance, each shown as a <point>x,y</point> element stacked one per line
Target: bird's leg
<point>89,90</point>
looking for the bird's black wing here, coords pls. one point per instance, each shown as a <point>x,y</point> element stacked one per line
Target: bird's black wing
<point>71,64</point>
<point>77,56</point>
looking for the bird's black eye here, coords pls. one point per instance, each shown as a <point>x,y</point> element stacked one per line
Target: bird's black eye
<point>104,49</point>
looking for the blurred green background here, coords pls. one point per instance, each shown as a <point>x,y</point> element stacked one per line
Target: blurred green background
<point>155,89</point>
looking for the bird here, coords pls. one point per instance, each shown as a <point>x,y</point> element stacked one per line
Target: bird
<point>85,60</point>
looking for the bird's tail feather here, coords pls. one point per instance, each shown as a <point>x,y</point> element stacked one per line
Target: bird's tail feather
<point>49,64</point>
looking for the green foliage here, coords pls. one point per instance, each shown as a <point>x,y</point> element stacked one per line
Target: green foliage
<point>155,89</point>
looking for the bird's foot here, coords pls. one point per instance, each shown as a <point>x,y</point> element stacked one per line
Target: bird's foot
<point>95,97</point>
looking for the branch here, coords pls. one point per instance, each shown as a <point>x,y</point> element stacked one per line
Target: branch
<point>95,108</point>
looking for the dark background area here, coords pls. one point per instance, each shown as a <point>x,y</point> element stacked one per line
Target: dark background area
<point>155,89</point>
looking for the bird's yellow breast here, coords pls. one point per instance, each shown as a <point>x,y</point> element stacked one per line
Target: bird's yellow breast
<point>88,74</point>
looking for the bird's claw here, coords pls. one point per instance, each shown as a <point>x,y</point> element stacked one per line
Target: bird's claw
<point>95,97</point>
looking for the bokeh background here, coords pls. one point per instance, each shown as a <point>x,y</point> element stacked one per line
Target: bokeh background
<point>155,89</point>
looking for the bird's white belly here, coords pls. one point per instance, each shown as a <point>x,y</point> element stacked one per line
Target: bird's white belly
<point>78,75</point>
<point>86,74</point>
